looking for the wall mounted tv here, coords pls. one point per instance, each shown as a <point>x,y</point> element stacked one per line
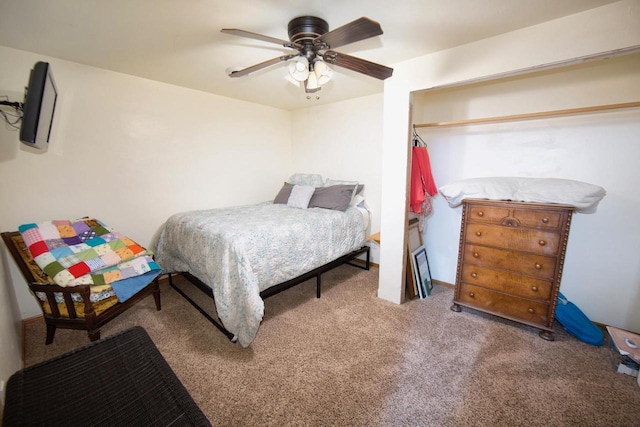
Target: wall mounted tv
<point>39,105</point>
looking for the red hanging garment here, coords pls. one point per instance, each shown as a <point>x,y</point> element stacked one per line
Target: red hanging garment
<point>422,184</point>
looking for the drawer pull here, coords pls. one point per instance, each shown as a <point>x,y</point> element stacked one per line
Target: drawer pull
<point>545,220</point>
<point>478,233</point>
<point>534,288</point>
<point>542,242</point>
<point>480,213</point>
<point>471,294</point>
<point>531,310</point>
<point>538,266</point>
<point>476,254</point>
<point>510,222</point>
<point>474,275</point>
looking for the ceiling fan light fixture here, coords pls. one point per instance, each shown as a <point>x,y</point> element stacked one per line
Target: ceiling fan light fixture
<point>320,67</point>
<point>322,71</point>
<point>311,85</point>
<point>293,81</point>
<point>301,63</point>
<point>299,69</point>
<point>323,80</point>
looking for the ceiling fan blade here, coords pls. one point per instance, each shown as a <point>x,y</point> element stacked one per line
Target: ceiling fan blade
<point>357,64</point>
<point>360,29</point>
<point>249,34</point>
<point>245,71</point>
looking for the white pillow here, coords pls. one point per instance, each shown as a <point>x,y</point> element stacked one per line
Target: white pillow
<point>357,200</point>
<point>329,182</point>
<point>300,196</point>
<point>583,196</point>
<point>311,179</point>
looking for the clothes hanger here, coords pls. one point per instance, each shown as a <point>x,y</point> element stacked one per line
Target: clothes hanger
<point>417,140</point>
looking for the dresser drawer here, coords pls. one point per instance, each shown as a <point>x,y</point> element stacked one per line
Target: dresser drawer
<point>550,218</point>
<point>491,214</point>
<point>539,218</point>
<point>514,238</point>
<point>506,281</point>
<point>503,259</point>
<point>501,303</point>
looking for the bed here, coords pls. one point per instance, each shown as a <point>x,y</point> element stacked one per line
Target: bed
<point>246,253</point>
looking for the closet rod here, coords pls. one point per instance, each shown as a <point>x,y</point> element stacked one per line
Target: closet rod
<point>526,116</point>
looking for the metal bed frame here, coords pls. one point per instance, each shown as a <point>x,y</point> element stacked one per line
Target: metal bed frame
<point>273,290</point>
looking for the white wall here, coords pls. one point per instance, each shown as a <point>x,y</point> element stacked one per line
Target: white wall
<point>603,29</point>
<point>10,332</point>
<point>602,267</point>
<point>343,140</point>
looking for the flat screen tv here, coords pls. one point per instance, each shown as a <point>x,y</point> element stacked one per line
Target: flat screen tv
<point>39,105</point>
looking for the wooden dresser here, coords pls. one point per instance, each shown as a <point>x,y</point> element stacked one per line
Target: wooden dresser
<point>511,259</point>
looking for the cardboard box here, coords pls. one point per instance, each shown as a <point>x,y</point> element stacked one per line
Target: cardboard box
<point>624,348</point>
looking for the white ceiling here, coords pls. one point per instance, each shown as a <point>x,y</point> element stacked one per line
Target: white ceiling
<point>179,41</point>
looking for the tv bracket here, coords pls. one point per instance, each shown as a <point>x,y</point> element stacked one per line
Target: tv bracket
<point>16,105</point>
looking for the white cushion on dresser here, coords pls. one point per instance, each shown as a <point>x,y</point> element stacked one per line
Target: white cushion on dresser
<point>583,196</point>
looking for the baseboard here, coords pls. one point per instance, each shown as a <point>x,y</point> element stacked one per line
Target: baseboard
<point>31,319</point>
<point>445,284</point>
<point>363,262</point>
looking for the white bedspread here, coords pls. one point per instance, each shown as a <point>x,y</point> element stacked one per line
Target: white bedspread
<point>241,251</point>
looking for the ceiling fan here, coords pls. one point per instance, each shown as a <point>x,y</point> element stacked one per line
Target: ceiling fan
<point>311,37</point>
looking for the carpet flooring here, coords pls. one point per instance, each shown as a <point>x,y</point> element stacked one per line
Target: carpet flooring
<point>352,359</point>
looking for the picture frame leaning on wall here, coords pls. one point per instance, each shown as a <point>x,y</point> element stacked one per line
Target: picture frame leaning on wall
<point>421,271</point>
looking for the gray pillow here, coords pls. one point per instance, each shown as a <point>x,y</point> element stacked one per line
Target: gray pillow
<point>336,197</point>
<point>283,196</point>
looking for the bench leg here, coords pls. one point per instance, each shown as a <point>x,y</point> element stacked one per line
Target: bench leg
<point>94,335</point>
<point>51,331</point>
<point>156,293</point>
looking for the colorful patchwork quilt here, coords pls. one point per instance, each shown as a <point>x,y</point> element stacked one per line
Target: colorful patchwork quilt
<point>86,251</point>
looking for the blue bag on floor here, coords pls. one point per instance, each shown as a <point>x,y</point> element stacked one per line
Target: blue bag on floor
<point>574,321</point>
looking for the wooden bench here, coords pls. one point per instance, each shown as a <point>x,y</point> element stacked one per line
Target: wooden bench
<point>82,315</point>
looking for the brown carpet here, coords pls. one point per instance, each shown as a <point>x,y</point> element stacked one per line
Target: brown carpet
<point>351,358</point>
